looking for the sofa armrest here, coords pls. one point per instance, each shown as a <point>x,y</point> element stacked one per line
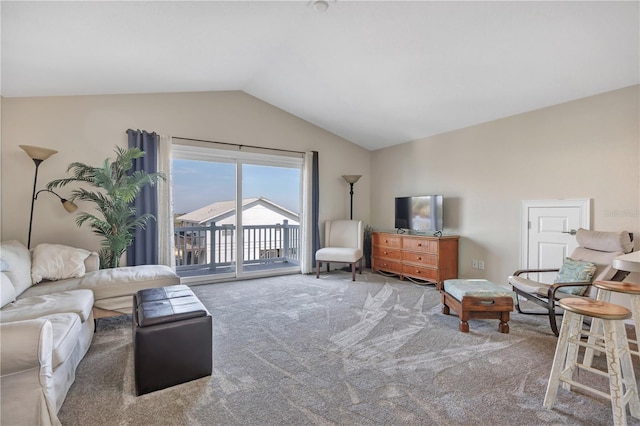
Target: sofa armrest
<point>25,345</point>
<point>92,263</point>
<point>27,385</point>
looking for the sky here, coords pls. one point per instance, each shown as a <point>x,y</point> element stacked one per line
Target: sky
<point>200,183</point>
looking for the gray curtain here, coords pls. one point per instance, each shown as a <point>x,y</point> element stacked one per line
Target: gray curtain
<point>144,249</point>
<point>315,203</point>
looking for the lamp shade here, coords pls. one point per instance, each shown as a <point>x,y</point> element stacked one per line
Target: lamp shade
<point>69,206</point>
<point>351,178</point>
<point>38,153</point>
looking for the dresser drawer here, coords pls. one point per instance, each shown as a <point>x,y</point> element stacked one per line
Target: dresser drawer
<point>378,264</point>
<point>387,253</point>
<point>387,240</point>
<point>420,244</point>
<point>422,273</point>
<point>426,259</point>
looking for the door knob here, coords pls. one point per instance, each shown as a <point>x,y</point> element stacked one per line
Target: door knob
<point>572,232</point>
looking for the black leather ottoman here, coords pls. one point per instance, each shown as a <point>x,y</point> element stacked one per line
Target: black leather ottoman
<point>172,338</point>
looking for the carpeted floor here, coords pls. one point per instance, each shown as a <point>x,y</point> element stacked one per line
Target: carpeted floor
<point>296,350</point>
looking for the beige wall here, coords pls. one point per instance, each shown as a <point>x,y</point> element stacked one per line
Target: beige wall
<point>589,148</point>
<point>87,128</point>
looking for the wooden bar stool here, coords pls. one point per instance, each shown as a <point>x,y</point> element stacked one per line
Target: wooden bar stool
<point>622,382</point>
<point>605,290</point>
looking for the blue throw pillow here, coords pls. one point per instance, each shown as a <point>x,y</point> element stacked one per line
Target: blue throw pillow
<point>575,271</point>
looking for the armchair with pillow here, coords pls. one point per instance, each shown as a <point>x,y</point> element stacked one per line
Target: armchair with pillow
<point>589,262</point>
<point>49,299</point>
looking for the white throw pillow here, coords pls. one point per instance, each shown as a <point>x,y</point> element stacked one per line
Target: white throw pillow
<point>18,259</point>
<point>7,291</point>
<point>57,262</point>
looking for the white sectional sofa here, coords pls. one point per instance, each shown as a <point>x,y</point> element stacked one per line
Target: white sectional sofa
<point>46,328</point>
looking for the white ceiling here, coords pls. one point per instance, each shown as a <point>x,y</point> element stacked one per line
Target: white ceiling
<point>376,73</point>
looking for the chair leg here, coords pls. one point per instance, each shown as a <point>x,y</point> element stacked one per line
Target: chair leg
<point>552,318</point>
<point>317,269</point>
<point>596,332</point>
<point>570,324</point>
<point>549,306</point>
<point>617,355</point>
<point>353,271</point>
<point>517,301</point>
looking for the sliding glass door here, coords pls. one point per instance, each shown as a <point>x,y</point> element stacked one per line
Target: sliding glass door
<point>209,188</point>
<point>270,217</point>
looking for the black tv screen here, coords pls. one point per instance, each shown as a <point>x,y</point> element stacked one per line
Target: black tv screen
<point>419,214</point>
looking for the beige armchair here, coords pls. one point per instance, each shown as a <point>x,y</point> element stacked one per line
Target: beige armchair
<point>343,244</point>
<point>589,262</point>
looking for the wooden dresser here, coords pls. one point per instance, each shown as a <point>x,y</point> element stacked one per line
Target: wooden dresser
<point>426,258</point>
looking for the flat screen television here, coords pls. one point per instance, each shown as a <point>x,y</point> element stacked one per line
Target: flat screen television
<point>419,214</point>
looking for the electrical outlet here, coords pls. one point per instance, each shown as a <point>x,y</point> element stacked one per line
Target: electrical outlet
<point>474,264</point>
<point>480,264</point>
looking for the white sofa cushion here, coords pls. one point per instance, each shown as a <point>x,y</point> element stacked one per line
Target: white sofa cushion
<point>48,287</point>
<point>66,331</point>
<point>76,301</point>
<point>18,258</point>
<point>57,262</point>
<point>110,283</point>
<point>127,280</point>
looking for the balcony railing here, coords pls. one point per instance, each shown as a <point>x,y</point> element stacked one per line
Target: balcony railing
<point>212,248</point>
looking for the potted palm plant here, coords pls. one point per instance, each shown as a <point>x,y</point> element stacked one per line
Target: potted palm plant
<point>114,190</point>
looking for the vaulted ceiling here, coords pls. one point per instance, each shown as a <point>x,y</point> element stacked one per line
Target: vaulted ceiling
<point>377,73</point>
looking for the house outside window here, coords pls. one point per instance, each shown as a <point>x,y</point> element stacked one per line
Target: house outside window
<point>210,238</point>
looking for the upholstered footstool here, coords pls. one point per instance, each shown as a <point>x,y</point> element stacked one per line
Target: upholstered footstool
<point>173,338</point>
<point>477,299</point>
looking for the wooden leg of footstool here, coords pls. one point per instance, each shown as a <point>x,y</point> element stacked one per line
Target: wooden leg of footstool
<point>464,322</point>
<point>445,307</point>
<point>503,327</point>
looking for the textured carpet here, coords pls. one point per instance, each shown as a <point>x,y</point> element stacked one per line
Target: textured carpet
<point>296,350</point>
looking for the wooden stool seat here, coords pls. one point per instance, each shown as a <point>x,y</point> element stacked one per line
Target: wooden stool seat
<point>595,308</point>
<point>623,390</point>
<point>618,287</point>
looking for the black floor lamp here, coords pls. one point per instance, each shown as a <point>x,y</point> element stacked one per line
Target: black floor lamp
<point>351,179</point>
<point>38,155</point>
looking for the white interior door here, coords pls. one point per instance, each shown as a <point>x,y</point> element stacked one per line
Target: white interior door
<point>549,233</point>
